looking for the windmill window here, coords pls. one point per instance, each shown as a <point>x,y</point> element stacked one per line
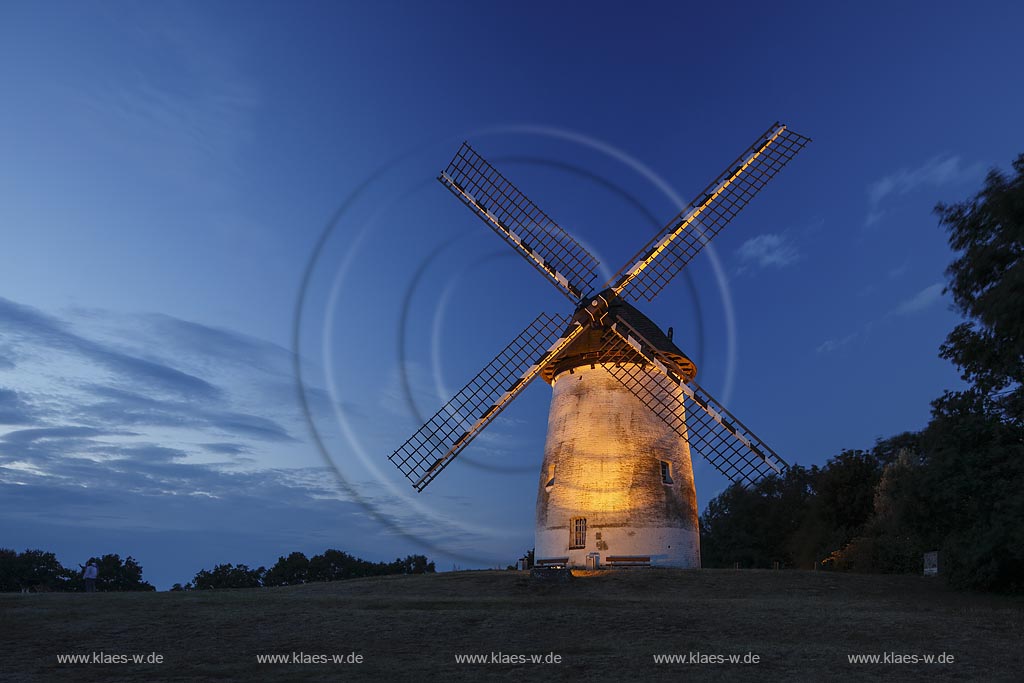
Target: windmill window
<point>551,477</point>
<point>666,472</point>
<point>578,532</point>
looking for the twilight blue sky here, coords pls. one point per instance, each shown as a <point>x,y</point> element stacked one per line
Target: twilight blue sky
<point>167,169</point>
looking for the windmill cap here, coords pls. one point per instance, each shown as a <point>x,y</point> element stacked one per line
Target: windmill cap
<point>587,348</point>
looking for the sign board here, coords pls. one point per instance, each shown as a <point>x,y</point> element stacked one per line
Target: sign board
<point>931,563</point>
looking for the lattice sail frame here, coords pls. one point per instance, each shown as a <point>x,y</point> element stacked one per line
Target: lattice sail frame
<point>520,222</point>
<point>715,433</point>
<point>661,259</point>
<point>433,447</point>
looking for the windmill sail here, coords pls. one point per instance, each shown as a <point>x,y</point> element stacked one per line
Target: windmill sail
<point>436,443</point>
<point>711,430</point>
<point>654,266</point>
<point>661,377</point>
<point>518,221</point>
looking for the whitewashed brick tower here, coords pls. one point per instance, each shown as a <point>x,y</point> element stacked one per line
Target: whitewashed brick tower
<point>616,480</point>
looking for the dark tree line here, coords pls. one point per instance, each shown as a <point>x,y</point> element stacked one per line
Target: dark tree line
<point>958,485</point>
<point>38,571</point>
<point>296,568</point>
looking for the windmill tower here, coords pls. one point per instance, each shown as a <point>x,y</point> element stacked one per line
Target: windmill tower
<point>616,484</point>
<point>616,479</point>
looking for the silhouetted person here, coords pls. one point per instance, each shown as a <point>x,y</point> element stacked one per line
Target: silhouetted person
<point>90,573</point>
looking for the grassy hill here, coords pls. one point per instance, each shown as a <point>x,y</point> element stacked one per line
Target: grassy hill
<point>604,625</point>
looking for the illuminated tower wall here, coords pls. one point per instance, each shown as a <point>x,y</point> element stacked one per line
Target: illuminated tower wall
<point>612,463</point>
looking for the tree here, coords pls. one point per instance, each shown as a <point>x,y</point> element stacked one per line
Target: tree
<point>754,527</point>
<point>896,534</point>
<point>332,565</point>
<point>412,564</point>
<point>289,571</point>
<point>840,507</point>
<point>9,571</point>
<point>229,576</point>
<point>987,283</point>
<point>971,480</point>
<point>32,570</point>
<point>888,451</point>
<point>975,443</point>
<point>116,574</point>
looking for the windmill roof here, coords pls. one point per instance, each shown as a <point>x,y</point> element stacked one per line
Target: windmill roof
<point>586,349</point>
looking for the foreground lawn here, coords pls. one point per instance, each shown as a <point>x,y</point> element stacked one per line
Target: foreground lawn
<point>603,625</point>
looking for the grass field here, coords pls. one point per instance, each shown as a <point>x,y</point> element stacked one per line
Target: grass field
<point>604,625</point>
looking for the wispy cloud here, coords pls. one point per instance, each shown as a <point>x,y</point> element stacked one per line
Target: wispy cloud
<point>22,437</point>
<point>922,300</point>
<point>830,345</point>
<point>83,379</point>
<point>192,104</point>
<point>15,410</point>
<point>129,408</point>
<point>26,325</point>
<point>926,298</point>
<point>898,271</point>
<point>225,448</point>
<point>936,172</point>
<point>770,250</point>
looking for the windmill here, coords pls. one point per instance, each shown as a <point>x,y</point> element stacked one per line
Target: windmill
<point>616,484</point>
